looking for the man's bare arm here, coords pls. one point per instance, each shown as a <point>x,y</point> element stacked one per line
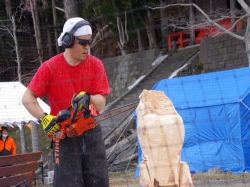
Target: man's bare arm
<point>30,102</point>
<point>99,101</point>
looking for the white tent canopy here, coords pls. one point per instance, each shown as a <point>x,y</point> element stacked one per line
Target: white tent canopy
<point>12,110</point>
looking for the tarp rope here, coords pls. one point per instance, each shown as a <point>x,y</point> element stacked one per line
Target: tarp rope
<point>244,104</point>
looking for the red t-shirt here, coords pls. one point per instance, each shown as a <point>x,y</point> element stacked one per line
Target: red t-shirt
<point>59,80</point>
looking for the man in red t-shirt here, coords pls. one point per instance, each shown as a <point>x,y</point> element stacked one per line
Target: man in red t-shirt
<point>79,161</point>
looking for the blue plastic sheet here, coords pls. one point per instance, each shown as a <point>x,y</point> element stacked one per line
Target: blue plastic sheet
<point>215,108</point>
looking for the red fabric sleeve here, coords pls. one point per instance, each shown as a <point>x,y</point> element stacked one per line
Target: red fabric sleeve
<point>41,81</point>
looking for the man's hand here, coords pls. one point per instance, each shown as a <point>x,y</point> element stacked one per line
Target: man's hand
<point>82,100</point>
<point>49,123</point>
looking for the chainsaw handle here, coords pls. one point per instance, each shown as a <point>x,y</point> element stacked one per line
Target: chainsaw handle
<point>75,111</point>
<point>62,116</point>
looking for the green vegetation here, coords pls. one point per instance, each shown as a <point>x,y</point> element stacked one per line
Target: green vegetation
<point>220,49</point>
<point>199,65</point>
<point>209,176</point>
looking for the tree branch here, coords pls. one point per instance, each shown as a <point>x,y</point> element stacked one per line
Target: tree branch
<point>58,8</point>
<point>206,16</point>
<point>101,34</point>
<point>244,6</point>
<point>126,30</point>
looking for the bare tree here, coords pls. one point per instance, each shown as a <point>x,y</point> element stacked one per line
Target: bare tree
<point>54,24</point>
<point>36,23</point>
<point>123,33</point>
<point>191,18</point>
<point>12,30</point>
<point>164,23</point>
<point>150,28</point>
<point>209,21</point>
<point>71,8</point>
<point>211,5</point>
<point>232,11</point>
<point>18,58</point>
<point>49,37</point>
<point>101,34</point>
<point>139,38</point>
<point>8,8</point>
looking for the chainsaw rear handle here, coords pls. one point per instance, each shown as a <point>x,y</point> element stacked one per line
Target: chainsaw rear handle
<point>62,116</point>
<point>66,114</point>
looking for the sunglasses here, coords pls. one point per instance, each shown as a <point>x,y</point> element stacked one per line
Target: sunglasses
<point>84,42</point>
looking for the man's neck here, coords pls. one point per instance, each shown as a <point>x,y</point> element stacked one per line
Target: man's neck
<point>71,61</point>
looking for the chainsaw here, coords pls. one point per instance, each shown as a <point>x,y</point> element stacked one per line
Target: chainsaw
<point>75,122</point>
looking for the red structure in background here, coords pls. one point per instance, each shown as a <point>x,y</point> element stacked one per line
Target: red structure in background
<point>183,38</point>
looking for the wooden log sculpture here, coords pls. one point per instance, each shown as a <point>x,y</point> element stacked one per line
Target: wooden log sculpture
<point>160,133</point>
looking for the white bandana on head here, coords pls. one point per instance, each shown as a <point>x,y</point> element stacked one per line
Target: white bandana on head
<point>69,24</point>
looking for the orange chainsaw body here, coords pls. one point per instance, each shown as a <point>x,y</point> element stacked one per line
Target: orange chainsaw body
<point>78,126</point>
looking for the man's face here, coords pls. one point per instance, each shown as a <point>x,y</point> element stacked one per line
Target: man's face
<point>81,47</point>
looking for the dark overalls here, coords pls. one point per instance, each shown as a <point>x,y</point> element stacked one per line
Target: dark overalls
<point>82,161</point>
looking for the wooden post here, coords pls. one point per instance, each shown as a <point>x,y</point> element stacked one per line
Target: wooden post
<point>22,137</point>
<point>35,137</point>
<point>50,162</point>
<point>174,46</point>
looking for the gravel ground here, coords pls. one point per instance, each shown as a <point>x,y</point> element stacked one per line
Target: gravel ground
<point>127,179</point>
<point>217,183</point>
<point>224,183</point>
<point>211,183</point>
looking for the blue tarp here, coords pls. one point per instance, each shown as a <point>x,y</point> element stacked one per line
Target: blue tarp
<point>215,108</point>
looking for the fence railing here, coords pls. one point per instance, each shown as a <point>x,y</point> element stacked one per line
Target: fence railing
<point>182,39</point>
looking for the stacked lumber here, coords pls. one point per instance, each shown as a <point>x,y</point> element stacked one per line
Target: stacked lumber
<point>123,154</point>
